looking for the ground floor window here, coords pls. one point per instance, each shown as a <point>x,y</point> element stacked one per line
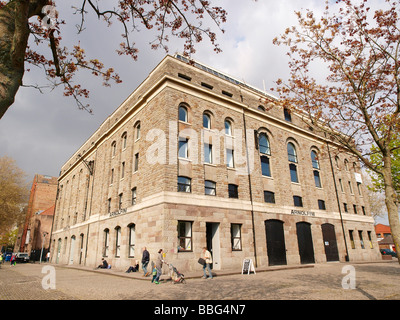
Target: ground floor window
<point>184,236</point>
<point>236,237</point>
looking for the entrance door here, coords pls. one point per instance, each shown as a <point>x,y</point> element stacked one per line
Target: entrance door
<point>275,242</point>
<point>304,239</point>
<point>71,251</point>
<point>213,244</point>
<point>330,244</point>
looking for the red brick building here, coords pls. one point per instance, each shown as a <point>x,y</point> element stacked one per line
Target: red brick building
<point>40,213</point>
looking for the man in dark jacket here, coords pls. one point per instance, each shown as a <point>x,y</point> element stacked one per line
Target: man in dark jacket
<point>145,261</point>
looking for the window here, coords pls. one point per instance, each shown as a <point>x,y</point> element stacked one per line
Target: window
<point>132,240</point>
<point>291,150</point>
<point>109,205</point>
<point>134,196</point>
<point>350,188</point>
<point>359,188</point>
<point>113,149</point>
<point>184,76</point>
<point>229,158</point>
<point>137,131</point>
<point>345,207</point>
<point>293,173</point>
<point>228,128</point>
<point>183,114</point>
<point>206,121</point>
<point>370,239</point>
<point>208,153</point>
<point>261,108</point>
<point>298,201</point>
<point>117,242</point>
<point>236,235</point>
<point>264,144</point>
<point>124,139</point>
<point>184,236</point>
<point>353,246</point>
<point>321,205</point>
<point>355,208</point>
<point>184,184</point>
<point>106,239</point>
<point>210,188</point>
<point>122,170</point>
<point>269,197</point>
<point>341,185</point>
<point>206,85</point>
<point>265,168</point>
<point>346,165</point>
<point>136,168</point>
<point>183,148</point>
<point>226,93</point>
<point>317,179</point>
<point>112,176</point>
<point>314,160</point>
<point>120,201</point>
<point>360,235</point>
<point>363,210</point>
<point>233,191</point>
<point>288,116</point>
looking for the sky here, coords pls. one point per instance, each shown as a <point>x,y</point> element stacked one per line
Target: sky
<point>41,131</point>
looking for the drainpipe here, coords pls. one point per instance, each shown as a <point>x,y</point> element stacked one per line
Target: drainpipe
<point>338,202</point>
<point>250,188</point>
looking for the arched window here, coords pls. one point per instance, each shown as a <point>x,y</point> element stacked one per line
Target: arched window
<point>106,244</point>
<point>132,240</point>
<point>183,114</point>
<point>113,148</point>
<point>314,160</point>
<point>137,130</point>
<point>291,150</point>
<point>124,140</point>
<point>206,121</point>
<point>117,242</point>
<point>261,108</point>
<point>228,127</point>
<point>264,144</point>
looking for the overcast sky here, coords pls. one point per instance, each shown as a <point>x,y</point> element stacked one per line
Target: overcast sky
<point>42,131</point>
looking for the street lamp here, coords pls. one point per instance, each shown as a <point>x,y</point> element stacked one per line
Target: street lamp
<point>41,253</point>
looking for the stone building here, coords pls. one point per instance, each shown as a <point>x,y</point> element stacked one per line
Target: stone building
<point>194,158</point>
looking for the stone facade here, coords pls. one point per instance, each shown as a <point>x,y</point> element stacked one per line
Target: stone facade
<point>152,177</point>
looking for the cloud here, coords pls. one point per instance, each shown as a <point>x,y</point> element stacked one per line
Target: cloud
<point>41,131</point>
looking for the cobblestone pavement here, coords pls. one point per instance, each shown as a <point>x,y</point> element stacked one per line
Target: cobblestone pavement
<point>321,281</point>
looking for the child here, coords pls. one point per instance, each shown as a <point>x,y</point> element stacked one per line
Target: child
<point>153,267</point>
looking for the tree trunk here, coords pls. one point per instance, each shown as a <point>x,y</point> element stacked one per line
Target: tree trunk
<point>392,204</point>
<point>14,34</point>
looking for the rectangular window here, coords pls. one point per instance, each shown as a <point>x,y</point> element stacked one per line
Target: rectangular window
<point>298,201</point>
<point>122,170</point>
<point>351,189</point>
<point>370,239</point>
<point>134,196</point>
<point>136,167</point>
<point>236,234</point>
<point>233,191</point>
<point>293,173</point>
<point>288,116</point>
<point>345,207</point>
<point>269,197</point>
<point>341,185</point>
<point>265,169</point>
<point>355,208</point>
<point>109,205</point>
<point>132,239</point>
<point>210,188</point>
<point>208,153</point>
<point>321,205</point>
<point>118,242</point>
<point>363,210</point>
<point>120,201</point>
<point>317,179</point>
<point>185,236</point>
<point>183,148</point>
<point>184,184</point>
<point>361,239</point>
<point>230,163</point>
<point>112,176</point>
<point>106,238</point>
<point>353,246</point>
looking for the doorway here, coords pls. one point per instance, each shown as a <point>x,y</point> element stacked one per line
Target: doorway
<point>304,239</point>
<point>330,244</point>
<point>275,242</point>
<point>213,244</point>
<point>71,251</point>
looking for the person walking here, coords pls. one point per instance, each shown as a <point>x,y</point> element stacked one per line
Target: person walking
<point>159,263</point>
<point>145,261</point>
<point>208,260</point>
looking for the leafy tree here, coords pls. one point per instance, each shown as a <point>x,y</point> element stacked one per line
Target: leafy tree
<point>358,104</point>
<point>22,19</point>
<point>14,195</point>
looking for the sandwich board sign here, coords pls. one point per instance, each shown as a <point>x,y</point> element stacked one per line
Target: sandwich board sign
<point>248,266</point>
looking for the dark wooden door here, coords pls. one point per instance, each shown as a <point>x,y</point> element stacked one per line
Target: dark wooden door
<point>304,239</point>
<point>330,243</point>
<point>275,242</point>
